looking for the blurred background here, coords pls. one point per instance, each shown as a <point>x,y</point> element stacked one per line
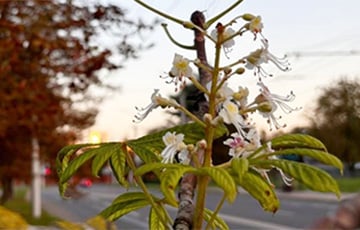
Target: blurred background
<point>73,71</point>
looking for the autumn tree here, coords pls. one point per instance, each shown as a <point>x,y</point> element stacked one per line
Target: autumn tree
<point>337,121</point>
<point>50,58</point>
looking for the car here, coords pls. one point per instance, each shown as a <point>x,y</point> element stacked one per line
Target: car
<point>85,183</point>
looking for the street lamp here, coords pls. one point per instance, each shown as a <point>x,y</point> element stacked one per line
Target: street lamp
<point>95,137</point>
<point>36,178</point>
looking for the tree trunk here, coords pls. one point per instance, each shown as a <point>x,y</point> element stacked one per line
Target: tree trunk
<point>7,189</point>
<point>184,217</point>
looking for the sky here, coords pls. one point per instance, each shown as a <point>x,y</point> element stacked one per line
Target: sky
<point>330,27</point>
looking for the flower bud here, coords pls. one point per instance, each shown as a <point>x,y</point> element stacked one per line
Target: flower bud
<point>197,62</point>
<point>190,147</point>
<point>218,120</point>
<point>227,70</point>
<point>241,94</point>
<point>208,118</point>
<point>202,144</point>
<point>248,17</point>
<point>188,25</point>
<point>240,71</point>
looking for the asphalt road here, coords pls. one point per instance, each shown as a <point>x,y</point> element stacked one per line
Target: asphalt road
<point>244,213</point>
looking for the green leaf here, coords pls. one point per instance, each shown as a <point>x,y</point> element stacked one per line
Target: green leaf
<point>218,222</point>
<point>100,159</point>
<point>65,154</point>
<point>297,141</point>
<point>71,149</point>
<point>240,166</point>
<point>131,196</point>
<point>62,161</point>
<point>147,153</point>
<point>151,167</point>
<point>98,222</point>
<point>117,164</point>
<point>321,156</point>
<point>150,146</point>
<point>312,177</point>
<point>75,164</point>
<point>117,210</point>
<point>169,180</point>
<point>223,179</point>
<point>65,225</point>
<point>260,189</point>
<point>154,220</point>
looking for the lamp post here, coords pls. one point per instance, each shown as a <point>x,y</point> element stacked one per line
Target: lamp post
<point>36,178</point>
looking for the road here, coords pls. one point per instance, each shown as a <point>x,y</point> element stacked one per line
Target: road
<point>244,213</point>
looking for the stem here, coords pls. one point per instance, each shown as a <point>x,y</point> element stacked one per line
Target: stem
<point>210,131</point>
<point>200,201</point>
<point>142,185</point>
<point>176,20</point>
<point>174,41</point>
<point>217,17</point>
<point>199,86</point>
<point>187,112</point>
<point>217,210</point>
<point>240,61</point>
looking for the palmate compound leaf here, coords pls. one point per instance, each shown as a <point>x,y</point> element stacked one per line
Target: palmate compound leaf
<point>149,147</point>
<point>100,159</point>
<point>289,141</point>
<point>218,222</point>
<point>75,163</point>
<point>65,154</point>
<point>321,156</point>
<point>312,177</point>
<point>62,162</point>
<point>257,186</point>
<point>223,179</point>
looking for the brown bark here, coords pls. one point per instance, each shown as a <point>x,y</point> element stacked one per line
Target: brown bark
<point>184,217</point>
<point>7,189</point>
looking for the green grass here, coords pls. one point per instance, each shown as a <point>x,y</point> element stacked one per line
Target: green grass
<point>19,205</point>
<point>349,184</point>
<point>346,184</point>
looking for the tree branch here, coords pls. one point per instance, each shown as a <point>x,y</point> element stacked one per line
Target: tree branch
<point>184,217</point>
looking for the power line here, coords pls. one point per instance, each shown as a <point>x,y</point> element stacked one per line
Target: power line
<point>299,54</point>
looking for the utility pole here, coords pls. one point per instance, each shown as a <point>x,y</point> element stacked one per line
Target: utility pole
<point>36,178</point>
